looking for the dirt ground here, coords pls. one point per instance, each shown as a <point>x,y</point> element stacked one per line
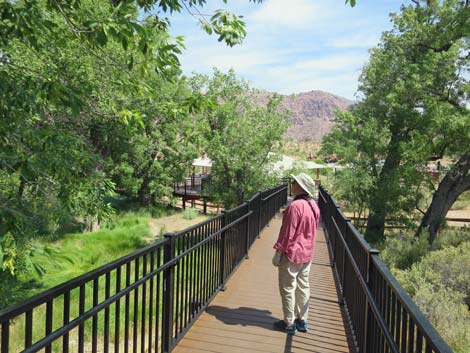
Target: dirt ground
<point>460,214</point>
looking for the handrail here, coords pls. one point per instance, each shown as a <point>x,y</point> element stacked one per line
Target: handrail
<point>44,297</point>
<point>383,317</point>
<point>273,194</point>
<point>370,299</point>
<point>210,237</point>
<point>154,294</point>
<point>438,344</point>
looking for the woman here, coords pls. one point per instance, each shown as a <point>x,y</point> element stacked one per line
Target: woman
<point>296,245</point>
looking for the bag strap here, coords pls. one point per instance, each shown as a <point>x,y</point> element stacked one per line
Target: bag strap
<point>307,199</point>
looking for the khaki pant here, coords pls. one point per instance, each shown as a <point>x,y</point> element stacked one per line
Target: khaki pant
<point>295,289</point>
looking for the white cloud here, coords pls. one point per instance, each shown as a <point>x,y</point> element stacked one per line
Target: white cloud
<point>294,46</point>
<point>337,62</point>
<point>292,13</point>
<point>358,40</point>
<point>292,79</point>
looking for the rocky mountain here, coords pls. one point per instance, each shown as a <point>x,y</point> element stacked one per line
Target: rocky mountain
<point>311,113</point>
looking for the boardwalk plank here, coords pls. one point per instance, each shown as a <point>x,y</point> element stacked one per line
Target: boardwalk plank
<point>240,318</point>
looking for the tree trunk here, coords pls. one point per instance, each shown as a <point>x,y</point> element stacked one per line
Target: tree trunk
<point>144,193</point>
<point>378,205</point>
<point>456,181</point>
<point>21,187</point>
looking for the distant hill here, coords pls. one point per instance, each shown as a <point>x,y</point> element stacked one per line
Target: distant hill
<point>311,113</point>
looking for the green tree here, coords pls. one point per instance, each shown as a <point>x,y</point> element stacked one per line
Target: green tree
<point>88,90</point>
<point>240,131</point>
<point>410,89</point>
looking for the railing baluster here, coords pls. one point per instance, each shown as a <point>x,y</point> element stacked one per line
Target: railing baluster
<point>49,317</point>
<point>28,329</point>
<point>107,293</point>
<point>117,313</point>
<point>404,336</point>
<point>94,324</point>
<point>411,334</point>
<point>66,318</point>
<point>159,281</point>
<point>136,307</point>
<point>222,251</point>
<point>81,327</point>
<point>127,309</point>
<point>419,342</point>
<point>5,336</point>
<point>144,307</point>
<point>150,332</point>
<point>177,284</point>
<point>168,300</point>
<point>192,289</point>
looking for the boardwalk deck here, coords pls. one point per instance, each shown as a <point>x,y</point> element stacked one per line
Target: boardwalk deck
<point>240,318</point>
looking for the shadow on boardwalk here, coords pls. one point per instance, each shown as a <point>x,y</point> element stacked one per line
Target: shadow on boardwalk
<point>243,316</point>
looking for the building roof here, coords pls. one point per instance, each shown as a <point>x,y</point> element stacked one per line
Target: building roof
<point>202,162</point>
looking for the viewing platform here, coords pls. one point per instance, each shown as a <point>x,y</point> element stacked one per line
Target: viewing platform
<point>240,319</point>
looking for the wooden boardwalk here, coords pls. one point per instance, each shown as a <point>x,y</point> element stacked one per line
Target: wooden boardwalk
<point>240,318</point>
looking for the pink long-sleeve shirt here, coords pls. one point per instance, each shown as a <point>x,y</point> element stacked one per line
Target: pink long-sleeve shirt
<point>298,231</point>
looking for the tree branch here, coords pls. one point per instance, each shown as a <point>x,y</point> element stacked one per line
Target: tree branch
<point>440,155</point>
<point>442,48</point>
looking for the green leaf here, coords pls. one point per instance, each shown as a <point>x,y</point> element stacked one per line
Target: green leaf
<point>101,37</point>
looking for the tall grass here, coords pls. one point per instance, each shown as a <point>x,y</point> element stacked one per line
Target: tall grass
<point>463,202</point>
<point>190,213</point>
<point>79,253</point>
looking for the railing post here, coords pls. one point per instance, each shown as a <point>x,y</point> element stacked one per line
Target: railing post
<point>259,215</point>
<point>344,256</point>
<point>247,236</point>
<point>222,252</point>
<point>5,339</point>
<point>367,312</point>
<point>168,289</point>
<point>344,237</point>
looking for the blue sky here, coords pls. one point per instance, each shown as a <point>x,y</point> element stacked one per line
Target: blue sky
<point>292,46</point>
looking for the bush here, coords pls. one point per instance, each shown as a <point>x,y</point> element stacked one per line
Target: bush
<point>447,313</point>
<point>403,250</point>
<point>440,285</point>
<point>452,236</point>
<point>463,202</point>
<point>190,213</point>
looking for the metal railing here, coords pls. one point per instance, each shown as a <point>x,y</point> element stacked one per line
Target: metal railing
<point>193,185</point>
<point>146,301</point>
<point>383,317</point>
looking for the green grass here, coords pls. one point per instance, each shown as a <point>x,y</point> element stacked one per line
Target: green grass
<point>463,202</point>
<point>59,258</point>
<point>190,213</point>
<point>62,257</point>
<point>76,254</point>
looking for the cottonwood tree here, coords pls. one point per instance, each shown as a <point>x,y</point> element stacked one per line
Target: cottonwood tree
<point>412,91</point>
<point>240,131</point>
<point>69,70</point>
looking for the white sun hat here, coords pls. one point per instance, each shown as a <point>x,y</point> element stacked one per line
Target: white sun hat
<point>305,182</point>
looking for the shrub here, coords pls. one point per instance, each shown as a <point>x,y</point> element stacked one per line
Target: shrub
<point>445,310</point>
<point>190,213</point>
<point>440,285</point>
<point>452,236</point>
<point>404,249</point>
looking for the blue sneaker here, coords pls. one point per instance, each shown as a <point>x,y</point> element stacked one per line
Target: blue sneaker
<point>301,325</point>
<point>282,326</point>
